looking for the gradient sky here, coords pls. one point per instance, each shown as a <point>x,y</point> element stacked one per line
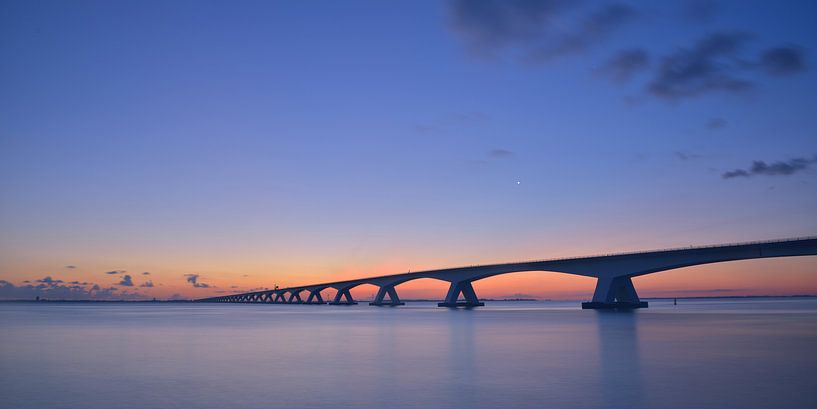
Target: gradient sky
<point>212,147</point>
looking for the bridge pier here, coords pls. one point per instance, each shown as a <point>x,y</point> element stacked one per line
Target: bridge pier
<point>295,298</point>
<point>467,290</point>
<point>343,293</point>
<point>617,293</point>
<point>389,290</point>
<point>316,296</point>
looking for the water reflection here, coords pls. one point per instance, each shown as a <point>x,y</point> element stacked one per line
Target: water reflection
<point>621,384</point>
<point>462,359</point>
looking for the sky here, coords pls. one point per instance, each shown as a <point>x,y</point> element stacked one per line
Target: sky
<point>184,149</point>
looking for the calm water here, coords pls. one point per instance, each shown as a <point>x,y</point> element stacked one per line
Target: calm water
<point>759,353</point>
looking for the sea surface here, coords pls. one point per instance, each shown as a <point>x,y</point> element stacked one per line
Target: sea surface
<point>709,353</point>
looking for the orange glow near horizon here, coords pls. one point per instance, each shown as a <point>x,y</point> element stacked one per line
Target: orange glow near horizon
<point>777,276</point>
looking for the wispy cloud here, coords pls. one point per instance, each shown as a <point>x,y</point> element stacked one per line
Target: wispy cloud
<point>543,30</point>
<point>55,289</point>
<point>147,284</point>
<point>488,26</point>
<point>685,156</point>
<point>48,280</point>
<point>146,273</point>
<point>536,28</point>
<point>779,168</point>
<point>493,155</point>
<point>194,279</point>
<point>783,60</point>
<point>116,272</point>
<point>715,123</point>
<point>126,281</point>
<point>710,65</point>
<point>716,63</point>
<point>499,153</point>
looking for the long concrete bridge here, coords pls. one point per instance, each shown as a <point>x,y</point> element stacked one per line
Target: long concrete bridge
<point>614,288</point>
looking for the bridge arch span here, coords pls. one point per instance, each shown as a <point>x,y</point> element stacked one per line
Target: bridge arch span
<point>343,294</point>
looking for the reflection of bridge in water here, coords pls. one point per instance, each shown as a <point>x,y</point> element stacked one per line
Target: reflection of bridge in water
<point>614,288</point>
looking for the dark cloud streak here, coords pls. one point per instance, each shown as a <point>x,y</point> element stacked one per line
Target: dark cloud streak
<point>685,156</point>
<point>779,168</point>
<point>783,60</point>
<point>501,153</point>
<point>715,123</point>
<point>490,25</point>
<point>535,27</point>
<point>711,65</point>
<point>715,64</point>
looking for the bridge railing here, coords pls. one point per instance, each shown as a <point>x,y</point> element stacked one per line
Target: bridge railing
<point>627,253</point>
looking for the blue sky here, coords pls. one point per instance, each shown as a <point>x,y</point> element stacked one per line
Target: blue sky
<point>306,138</point>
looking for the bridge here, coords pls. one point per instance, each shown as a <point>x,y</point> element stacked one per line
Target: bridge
<point>614,288</point>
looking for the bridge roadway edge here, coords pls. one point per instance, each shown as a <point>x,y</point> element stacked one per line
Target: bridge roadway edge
<point>614,289</point>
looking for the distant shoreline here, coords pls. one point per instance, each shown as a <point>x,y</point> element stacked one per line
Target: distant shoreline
<point>420,299</point>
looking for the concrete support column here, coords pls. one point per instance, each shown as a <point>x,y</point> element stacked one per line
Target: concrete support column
<point>615,293</point>
<point>279,297</point>
<point>343,293</point>
<point>315,297</point>
<point>385,290</point>
<point>295,297</point>
<point>467,290</point>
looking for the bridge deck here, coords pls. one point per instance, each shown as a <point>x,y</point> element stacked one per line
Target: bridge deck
<point>603,266</point>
